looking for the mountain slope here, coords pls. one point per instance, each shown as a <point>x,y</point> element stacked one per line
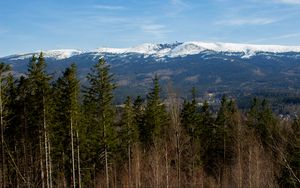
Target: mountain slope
<point>212,67</point>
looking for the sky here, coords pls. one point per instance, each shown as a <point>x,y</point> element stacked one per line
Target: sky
<point>34,25</point>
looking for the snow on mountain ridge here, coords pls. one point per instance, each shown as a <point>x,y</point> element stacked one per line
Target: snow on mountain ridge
<point>194,47</point>
<point>57,54</point>
<point>172,50</point>
<point>146,48</point>
<point>62,54</point>
<point>235,47</point>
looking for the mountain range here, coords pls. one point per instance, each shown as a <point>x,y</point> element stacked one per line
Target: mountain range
<point>211,67</point>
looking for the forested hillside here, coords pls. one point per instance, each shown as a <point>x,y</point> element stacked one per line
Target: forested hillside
<point>57,133</point>
<point>235,69</point>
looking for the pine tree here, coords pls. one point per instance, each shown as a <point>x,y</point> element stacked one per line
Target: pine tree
<point>99,98</point>
<point>206,135</point>
<point>263,122</point>
<point>156,118</point>
<point>139,116</point>
<point>156,124</point>
<point>67,114</point>
<point>219,147</point>
<point>129,133</point>
<point>19,124</point>
<point>189,115</point>
<point>15,170</point>
<point>190,121</point>
<point>39,102</point>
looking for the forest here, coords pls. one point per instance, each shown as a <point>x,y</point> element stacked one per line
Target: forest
<point>60,133</point>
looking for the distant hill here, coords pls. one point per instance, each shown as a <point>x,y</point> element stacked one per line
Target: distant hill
<point>211,67</point>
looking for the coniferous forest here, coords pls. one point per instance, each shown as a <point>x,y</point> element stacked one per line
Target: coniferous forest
<point>58,133</point>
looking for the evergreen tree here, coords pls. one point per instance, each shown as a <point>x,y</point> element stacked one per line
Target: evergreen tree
<point>156,118</point>
<point>189,115</point>
<point>190,119</point>
<point>139,117</point>
<point>220,148</point>
<point>262,120</point>
<point>129,133</point>
<point>39,116</point>
<point>66,122</point>
<point>207,138</point>
<point>98,99</point>
<point>19,127</point>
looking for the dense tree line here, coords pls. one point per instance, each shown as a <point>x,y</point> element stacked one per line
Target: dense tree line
<point>57,133</point>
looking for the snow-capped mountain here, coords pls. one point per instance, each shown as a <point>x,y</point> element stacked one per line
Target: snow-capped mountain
<point>170,50</point>
<point>191,48</point>
<point>214,67</point>
<point>56,54</point>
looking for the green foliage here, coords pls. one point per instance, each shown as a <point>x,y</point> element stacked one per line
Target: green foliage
<point>38,95</point>
<point>218,150</point>
<point>100,112</point>
<point>261,119</point>
<point>207,139</point>
<point>189,115</point>
<point>156,118</point>
<point>66,106</point>
<point>139,119</point>
<point>290,173</point>
<point>128,123</point>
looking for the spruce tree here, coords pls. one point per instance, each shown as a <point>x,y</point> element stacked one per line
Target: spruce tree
<point>189,115</point>
<point>209,151</point>
<point>190,121</point>
<point>99,101</point>
<point>129,133</point>
<point>39,107</point>
<point>219,152</point>
<point>66,91</point>
<point>156,118</point>
<point>261,119</point>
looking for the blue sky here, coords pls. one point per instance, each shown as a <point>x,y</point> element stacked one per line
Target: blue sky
<point>32,25</point>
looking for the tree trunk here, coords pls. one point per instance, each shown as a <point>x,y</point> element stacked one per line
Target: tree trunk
<point>239,158</point>
<point>129,156</point>
<point>46,143</point>
<point>167,168</point>
<point>41,163</point>
<point>178,158</point>
<point>249,168</point>
<point>105,154</point>
<point>106,167</point>
<point>50,164</point>
<point>78,160</point>
<point>138,171</point>
<point>72,150</point>
<point>129,165</point>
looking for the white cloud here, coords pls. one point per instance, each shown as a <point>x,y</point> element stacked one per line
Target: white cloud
<point>246,21</point>
<point>288,1</point>
<point>157,30</point>
<point>108,7</point>
<point>292,35</point>
<point>285,36</point>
